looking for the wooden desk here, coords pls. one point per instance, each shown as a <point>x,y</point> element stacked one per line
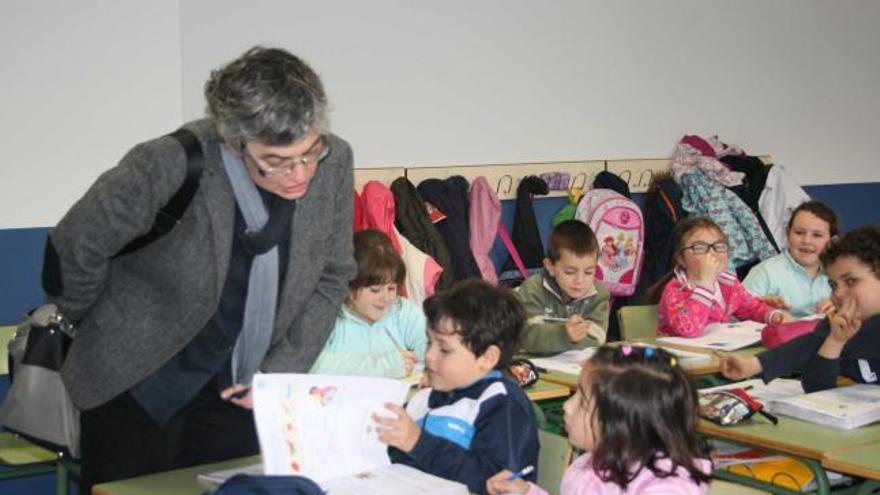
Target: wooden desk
<point>808,442</point>
<point>862,461</point>
<point>177,482</point>
<point>546,389</point>
<point>712,367</point>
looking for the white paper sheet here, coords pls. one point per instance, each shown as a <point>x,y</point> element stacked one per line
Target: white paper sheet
<point>722,336</point>
<point>566,362</point>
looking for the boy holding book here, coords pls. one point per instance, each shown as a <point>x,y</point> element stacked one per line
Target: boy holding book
<point>471,422</point>
<point>566,308</point>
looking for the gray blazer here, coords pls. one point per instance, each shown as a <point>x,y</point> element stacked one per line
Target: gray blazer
<point>141,309</point>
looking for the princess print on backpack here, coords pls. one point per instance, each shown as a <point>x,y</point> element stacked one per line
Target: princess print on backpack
<point>617,222</point>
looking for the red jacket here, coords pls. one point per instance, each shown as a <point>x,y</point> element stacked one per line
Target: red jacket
<point>686,309</point>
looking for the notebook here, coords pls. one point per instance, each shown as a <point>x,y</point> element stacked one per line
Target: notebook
<point>843,407</point>
<point>321,426</point>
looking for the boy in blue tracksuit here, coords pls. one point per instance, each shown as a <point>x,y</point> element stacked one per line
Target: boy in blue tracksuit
<point>471,422</point>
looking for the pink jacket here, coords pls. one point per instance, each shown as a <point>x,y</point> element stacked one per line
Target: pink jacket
<point>422,271</point>
<point>484,216</point>
<point>580,479</point>
<point>686,309</point>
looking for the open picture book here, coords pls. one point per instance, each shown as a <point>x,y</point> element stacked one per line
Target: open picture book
<point>321,426</point>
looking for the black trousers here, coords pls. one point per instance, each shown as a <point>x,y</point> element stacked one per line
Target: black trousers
<point>120,440</point>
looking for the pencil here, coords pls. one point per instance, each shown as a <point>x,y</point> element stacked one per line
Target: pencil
<point>522,472</point>
<point>393,340</point>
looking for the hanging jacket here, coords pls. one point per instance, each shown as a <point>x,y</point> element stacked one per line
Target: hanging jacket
<point>411,220</point>
<point>662,211</point>
<point>526,236</point>
<point>610,180</point>
<point>781,195</point>
<point>422,271</point>
<point>703,196</point>
<point>753,184</point>
<point>358,221</point>
<point>485,215</point>
<point>452,202</point>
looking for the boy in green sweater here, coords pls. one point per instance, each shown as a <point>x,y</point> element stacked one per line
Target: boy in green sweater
<point>565,307</point>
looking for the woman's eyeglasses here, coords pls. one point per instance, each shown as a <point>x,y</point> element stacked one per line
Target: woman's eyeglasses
<point>276,167</point>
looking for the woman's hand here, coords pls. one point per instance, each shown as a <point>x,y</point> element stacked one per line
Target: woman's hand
<point>240,395</point>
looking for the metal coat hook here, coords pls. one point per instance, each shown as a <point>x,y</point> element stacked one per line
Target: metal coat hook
<point>642,176</point>
<point>509,184</point>
<point>628,178</point>
<point>583,184</point>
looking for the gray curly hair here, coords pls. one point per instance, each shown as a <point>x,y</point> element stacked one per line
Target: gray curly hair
<point>268,95</point>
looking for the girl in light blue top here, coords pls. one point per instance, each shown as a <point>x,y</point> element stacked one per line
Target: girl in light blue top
<point>377,332</point>
<point>794,279</point>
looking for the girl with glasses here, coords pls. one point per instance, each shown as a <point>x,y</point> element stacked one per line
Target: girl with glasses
<point>700,290</point>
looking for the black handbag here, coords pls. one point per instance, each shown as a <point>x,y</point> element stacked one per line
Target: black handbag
<point>37,405</point>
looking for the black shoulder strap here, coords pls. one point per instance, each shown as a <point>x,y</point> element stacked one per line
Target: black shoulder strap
<point>169,215</point>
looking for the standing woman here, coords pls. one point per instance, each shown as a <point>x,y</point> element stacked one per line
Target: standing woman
<point>251,279</point>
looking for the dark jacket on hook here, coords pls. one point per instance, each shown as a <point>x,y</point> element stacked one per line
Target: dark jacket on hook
<point>610,180</point>
<point>411,220</point>
<point>526,236</point>
<point>662,211</point>
<point>451,199</point>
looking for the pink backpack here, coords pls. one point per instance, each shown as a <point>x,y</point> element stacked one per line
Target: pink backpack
<point>619,227</point>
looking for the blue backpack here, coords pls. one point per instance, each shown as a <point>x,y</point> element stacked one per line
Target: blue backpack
<point>243,484</point>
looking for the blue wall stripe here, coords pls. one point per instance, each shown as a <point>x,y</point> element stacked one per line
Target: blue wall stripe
<point>21,250</point>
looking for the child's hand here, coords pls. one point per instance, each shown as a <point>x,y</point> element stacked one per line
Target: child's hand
<point>240,395</point>
<point>499,484</point>
<point>845,323</point>
<point>779,317</point>
<point>825,306</point>
<point>400,431</point>
<point>736,367</point>
<point>777,302</point>
<point>708,270</point>
<point>576,328</point>
<point>409,361</point>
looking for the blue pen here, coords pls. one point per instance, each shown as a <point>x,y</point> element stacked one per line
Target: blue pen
<point>522,472</point>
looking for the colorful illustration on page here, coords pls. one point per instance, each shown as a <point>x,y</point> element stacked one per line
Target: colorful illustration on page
<point>290,432</point>
<point>323,396</point>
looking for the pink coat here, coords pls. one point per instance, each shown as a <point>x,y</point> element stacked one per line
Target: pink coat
<point>484,217</point>
<point>686,309</point>
<point>422,271</point>
<point>580,479</point>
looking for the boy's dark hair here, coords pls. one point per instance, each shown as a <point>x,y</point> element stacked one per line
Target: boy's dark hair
<point>377,261</point>
<point>645,410</point>
<point>819,209</point>
<point>574,236</point>
<point>481,314</point>
<point>862,243</point>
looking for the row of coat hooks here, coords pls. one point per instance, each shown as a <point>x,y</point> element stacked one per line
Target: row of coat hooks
<point>560,176</point>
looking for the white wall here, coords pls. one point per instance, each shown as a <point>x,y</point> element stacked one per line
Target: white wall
<point>82,81</point>
<point>460,82</point>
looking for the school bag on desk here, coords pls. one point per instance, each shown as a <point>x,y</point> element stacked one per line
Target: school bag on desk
<point>37,405</point>
<point>617,222</point>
